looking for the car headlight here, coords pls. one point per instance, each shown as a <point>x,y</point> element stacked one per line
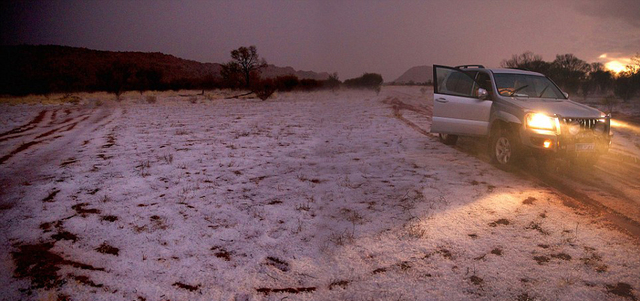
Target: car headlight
<point>542,123</point>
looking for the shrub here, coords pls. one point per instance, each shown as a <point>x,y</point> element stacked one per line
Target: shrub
<point>332,82</point>
<point>151,99</point>
<point>72,99</point>
<point>263,88</point>
<point>371,81</point>
<point>309,84</point>
<point>623,86</point>
<point>286,83</point>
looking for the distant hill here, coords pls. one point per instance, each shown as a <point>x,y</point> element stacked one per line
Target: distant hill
<point>50,68</point>
<point>418,74</point>
<point>274,71</point>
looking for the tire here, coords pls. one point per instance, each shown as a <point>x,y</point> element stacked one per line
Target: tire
<point>505,149</point>
<point>448,139</point>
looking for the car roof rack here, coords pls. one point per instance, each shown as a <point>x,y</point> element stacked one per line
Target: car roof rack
<point>469,66</point>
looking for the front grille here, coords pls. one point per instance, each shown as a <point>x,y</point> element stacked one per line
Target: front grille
<point>584,123</point>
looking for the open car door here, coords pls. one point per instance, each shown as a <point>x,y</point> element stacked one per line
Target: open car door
<point>457,109</point>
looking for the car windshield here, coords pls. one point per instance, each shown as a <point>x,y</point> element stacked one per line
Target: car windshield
<point>526,85</point>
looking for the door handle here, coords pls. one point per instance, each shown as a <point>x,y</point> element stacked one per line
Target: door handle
<point>442,100</point>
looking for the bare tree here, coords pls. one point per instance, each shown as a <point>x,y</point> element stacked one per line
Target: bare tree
<point>528,61</point>
<point>599,79</point>
<point>231,75</point>
<point>623,86</point>
<point>246,61</point>
<point>634,67</point>
<point>568,71</point>
<point>627,82</point>
<point>571,63</point>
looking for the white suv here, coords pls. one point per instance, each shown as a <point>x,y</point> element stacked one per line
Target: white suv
<point>521,112</point>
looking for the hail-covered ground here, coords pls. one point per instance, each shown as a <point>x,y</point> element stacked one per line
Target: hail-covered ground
<point>306,196</point>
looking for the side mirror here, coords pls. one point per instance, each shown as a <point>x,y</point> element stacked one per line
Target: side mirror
<point>566,95</point>
<point>483,94</point>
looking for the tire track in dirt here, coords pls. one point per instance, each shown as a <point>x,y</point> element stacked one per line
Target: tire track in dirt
<point>60,129</point>
<point>17,166</point>
<point>624,173</point>
<point>397,105</point>
<point>53,116</point>
<point>611,185</point>
<point>576,199</point>
<point>23,128</point>
<point>571,195</point>
<point>37,139</point>
<point>68,111</point>
<point>100,125</point>
<point>73,125</point>
<point>21,148</point>
<point>12,137</point>
<point>52,121</point>
<point>49,262</point>
<point>629,162</point>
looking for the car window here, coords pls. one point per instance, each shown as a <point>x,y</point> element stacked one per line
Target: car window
<point>484,81</point>
<point>532,86</point>
<point>454,82</point>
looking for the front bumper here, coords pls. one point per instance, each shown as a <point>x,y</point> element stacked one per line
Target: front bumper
<point>577,138</point>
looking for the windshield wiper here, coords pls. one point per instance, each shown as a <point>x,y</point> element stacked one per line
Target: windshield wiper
<point>516,90</point>
<point>545,89</point>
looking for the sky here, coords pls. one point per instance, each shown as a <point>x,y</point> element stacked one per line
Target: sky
<point>347,37</point>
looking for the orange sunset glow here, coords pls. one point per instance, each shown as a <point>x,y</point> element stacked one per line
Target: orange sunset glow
<point>615,64</point>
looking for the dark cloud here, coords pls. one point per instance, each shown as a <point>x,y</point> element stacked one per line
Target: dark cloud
<point>627,11</point>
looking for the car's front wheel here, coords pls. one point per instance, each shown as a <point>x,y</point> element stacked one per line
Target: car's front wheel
<point>448,139</point>
<point>504,149</point>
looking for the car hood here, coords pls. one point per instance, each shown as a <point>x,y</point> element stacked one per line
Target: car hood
<point>561,107</point>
